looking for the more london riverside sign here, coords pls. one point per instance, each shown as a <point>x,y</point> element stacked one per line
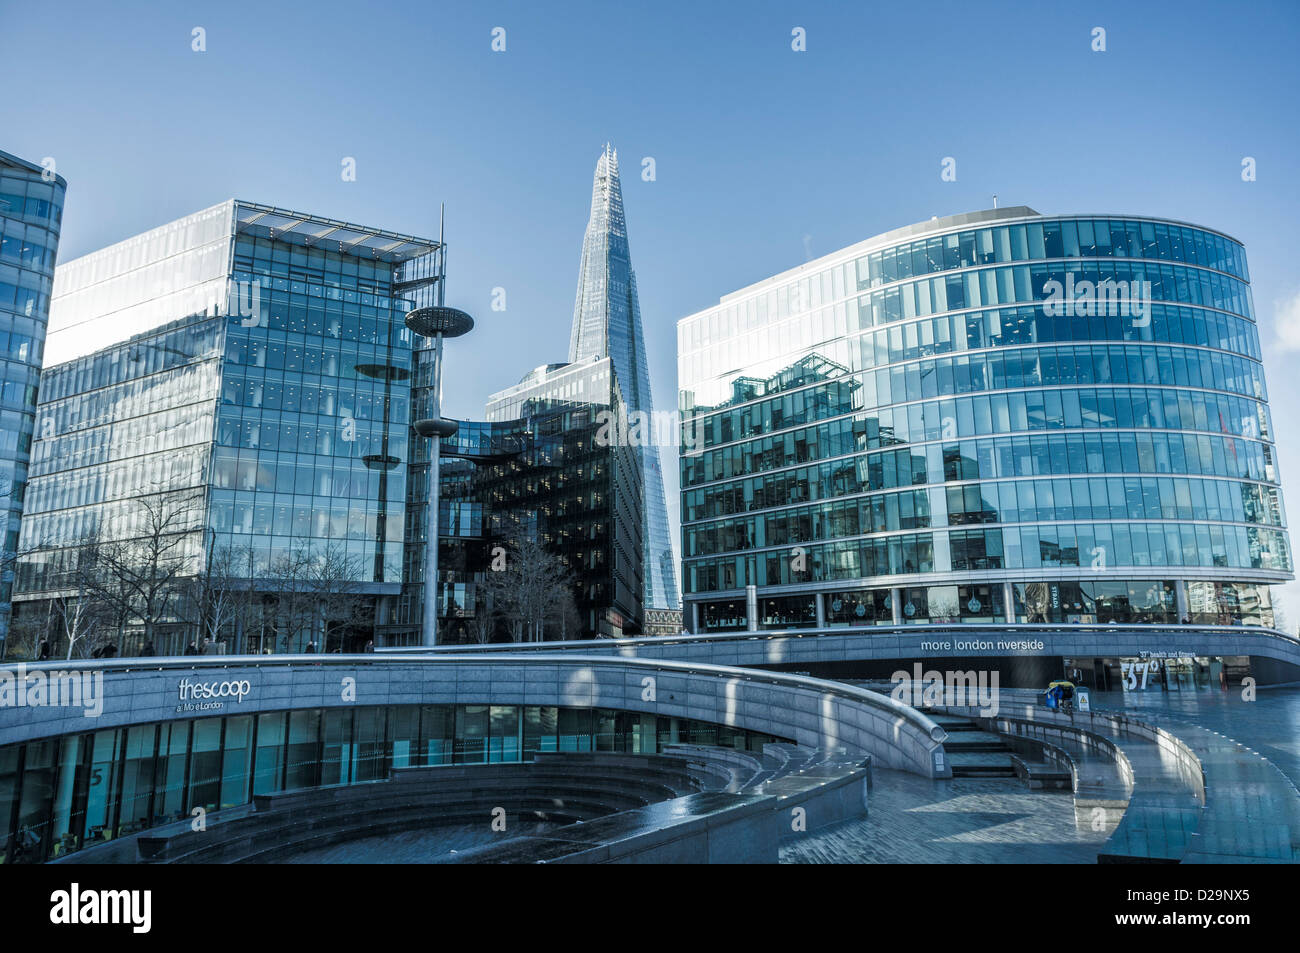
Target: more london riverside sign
<point>210,696</point>
<point>933,646</point>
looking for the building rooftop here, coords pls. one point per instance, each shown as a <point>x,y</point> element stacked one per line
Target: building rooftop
<point>892,237</point>
<point>314,231</point>
<point>931,226</point>
<point>10,161</point>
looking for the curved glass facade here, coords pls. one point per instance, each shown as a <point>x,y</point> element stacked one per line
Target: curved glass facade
<point>31,215</point>
<point>983,404</point>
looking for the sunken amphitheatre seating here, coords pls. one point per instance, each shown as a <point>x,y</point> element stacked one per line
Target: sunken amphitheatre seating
<point>690,804</point>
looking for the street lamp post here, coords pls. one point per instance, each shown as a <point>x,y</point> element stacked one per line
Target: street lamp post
<point>436,323</point>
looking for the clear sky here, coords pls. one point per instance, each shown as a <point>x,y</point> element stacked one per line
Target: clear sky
<point>764,156</point>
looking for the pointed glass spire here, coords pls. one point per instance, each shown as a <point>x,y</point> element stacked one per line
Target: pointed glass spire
<point>607,323</point>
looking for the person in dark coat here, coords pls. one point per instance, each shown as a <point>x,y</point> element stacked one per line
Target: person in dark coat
<point>43,651</point>
<point>191,649</point>
<point>310,649</point>
<point>147,651</point>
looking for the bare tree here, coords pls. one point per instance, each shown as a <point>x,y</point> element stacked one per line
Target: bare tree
<point>334,579</point>
<point>251,618</point>
<point>498,592</point>
<point>28,629</point>
<point>534,586</point>
<point>216,597</point>
<point>112,589</point>
<point>80,612</point>
<point>80,620</point>
<point>151,565</point>
<point>484,621</point>
<point>568,616</point>
<point>291,612</point>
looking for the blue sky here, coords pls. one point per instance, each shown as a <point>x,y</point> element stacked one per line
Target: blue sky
<point>762,154</point>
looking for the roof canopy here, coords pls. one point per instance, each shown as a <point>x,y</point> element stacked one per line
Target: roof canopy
<point>312,231</point>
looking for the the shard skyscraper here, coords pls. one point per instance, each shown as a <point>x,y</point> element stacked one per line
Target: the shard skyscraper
<point>607,323</point>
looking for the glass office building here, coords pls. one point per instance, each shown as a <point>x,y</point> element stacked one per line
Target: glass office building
<point>607,323</point>
<point>540,468</point>
<point>245,372</point>
<point>31,215</point>
<point>998,416</point>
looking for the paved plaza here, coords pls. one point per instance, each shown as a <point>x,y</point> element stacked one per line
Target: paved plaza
<point>1270,724</point>
<point>966,821</point>
<point>1254,815</point>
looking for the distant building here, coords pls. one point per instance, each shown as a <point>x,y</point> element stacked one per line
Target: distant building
<point>538,468</point>
<point>663,622</point>
<point>607,323</point>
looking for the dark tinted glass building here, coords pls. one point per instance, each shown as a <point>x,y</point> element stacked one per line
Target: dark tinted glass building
<point>1000,416</point>
<point>540,468</point>
<point>31,214</point>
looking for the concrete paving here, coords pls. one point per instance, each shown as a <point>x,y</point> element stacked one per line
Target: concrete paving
<point>1249,750</point>
<point>1251,754</point>
<point>965,821</point>
<point>1270,724</point>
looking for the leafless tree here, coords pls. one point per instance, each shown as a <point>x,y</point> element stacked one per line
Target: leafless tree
<point>215,599</point>
<point>291,612</point>
<point>251,618</point>
<point>534,586</point>
<point>568,616</point>
<point>80,620</point>
<point>316,592</point>
<point>28,629</point>
<point>25,634</point>
<point>112,589</point>
<point>82,615</point>
<point>334,579</point>
<point>484,621</point>
<point>152,562</point>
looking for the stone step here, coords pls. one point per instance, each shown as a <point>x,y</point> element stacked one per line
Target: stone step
<point>981,764</point>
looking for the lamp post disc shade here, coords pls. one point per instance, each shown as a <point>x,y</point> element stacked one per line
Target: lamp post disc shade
<point>379,461</point>
<point>450,322</point>
<point>383,372</point>
<point>436,428</point>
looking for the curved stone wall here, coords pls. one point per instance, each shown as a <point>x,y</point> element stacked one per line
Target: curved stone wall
<point>812,712</point>
<point>918,642</point>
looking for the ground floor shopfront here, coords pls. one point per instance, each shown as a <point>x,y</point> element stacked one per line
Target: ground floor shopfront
<point>1069,601</point>
<point>1143,672</point>
<point>1158,672</point>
